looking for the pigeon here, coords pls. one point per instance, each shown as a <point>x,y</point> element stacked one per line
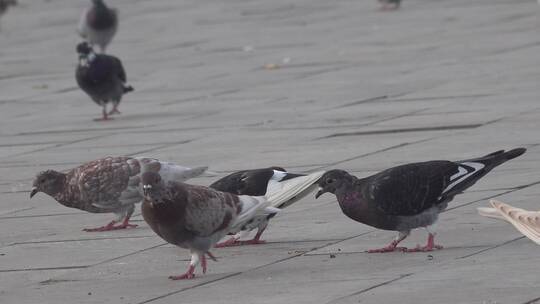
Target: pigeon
<point>526,222</point>
<point>5,4</point>
<point>409,196</point>
<point>102,77</point>
<point>390,4</point>
<point>194,217</point>
<point>107,185</point>
<point>291,188</point>
<point>98,24</point>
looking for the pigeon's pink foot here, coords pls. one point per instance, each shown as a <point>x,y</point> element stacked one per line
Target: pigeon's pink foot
<point>203,264</point>
<point>252,242</point>
<point>228,243</point>
<point>190,274</point>
<point>430,246</point>
<point>390,248</point>
<point>235,242</point>
<point>110,227</point>
<point>105,117</point>
<point>114,111</point>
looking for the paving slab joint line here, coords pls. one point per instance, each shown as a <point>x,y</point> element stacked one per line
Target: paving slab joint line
<point>371,153</point>
<point>490,248</point>
<point>370,288</point>
<point>533,301</point>
<point>495,195</point>
<point>255,268</point>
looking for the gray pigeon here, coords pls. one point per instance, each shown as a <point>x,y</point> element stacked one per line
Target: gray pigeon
<point>194,217</point>
<point>268,181</point>
<point>408,196</point>
<point>5,4</point>
<point>102,77</point>
<point>107,185</point>
<point>98,24</point>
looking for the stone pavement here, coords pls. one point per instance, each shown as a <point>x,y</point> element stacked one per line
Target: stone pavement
<point>354,88</point>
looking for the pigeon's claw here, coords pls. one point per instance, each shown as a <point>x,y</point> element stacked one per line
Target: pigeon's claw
<point>430,246</point>
<point>190,274</point>
<point>389,248</point>
<point>114,110</point>
<point>110,227</point>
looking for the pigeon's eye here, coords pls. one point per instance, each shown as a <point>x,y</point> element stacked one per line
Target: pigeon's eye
<point>42,181</point>
<point>329,181</point>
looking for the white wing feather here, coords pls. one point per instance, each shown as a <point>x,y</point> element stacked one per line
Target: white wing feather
<point>284,193</point>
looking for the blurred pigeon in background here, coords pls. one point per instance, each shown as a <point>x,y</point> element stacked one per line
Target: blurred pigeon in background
<point>98,24</point>
<point>102,77</point>
<point>390,4</point>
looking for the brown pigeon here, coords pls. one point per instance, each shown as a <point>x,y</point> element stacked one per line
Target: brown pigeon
<point>107,185</point>
<point>194,217</point>
<point>409,196</point>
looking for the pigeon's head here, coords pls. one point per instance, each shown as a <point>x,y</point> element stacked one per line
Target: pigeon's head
<point>98,2</point>
<point>151,182</point>
<point>50,182</point>
<point>84,49</point>
<point>331,181</point>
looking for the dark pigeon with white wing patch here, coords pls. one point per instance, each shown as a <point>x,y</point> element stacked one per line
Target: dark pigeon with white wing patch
<point>107,185</point>
<point>408,196</point>
<point>194,217</point>
<point>253,182</point>
<point>102,77</point>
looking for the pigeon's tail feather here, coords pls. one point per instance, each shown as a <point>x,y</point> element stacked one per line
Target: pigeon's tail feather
<point>494,159</point>
<point>471,170</point>
<point>170,171</point>
<point>284,193</point>
<point>128,89</point>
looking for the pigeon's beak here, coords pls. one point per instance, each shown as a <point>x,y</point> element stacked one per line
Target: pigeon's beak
<point>320,192</point>
<point>33,192</point>
<point>146,189</point>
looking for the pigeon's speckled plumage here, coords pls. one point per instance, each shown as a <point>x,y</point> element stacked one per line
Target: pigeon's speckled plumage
<point>408,196</point>
<point>102,77</point>
<point>291,187</point>
<point>194,217</point>
<point>98,24</point>
<point>107,185</point>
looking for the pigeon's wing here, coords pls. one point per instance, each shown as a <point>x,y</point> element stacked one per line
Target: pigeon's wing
<point>119,68</point>
<point>170,171</point>
<point>105,182</point>
<point>207,211</point>
<point>410,189</point>
<point>231,183</point>
<point>246,182</point>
